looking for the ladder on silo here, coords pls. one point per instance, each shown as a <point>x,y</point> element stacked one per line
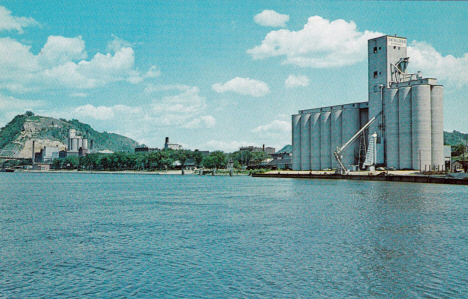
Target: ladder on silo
<point>362,151</point>
<point>339,150</point>
<point>371,151</point>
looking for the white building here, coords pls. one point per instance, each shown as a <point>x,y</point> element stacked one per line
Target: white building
<point>173,146</point>
<point>408,124</point>
<point>77,144</point>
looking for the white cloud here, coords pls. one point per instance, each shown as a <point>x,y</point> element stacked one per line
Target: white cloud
<point>271,18</point>
<point>117,43</point>
<point>153,72</point>
<point>78,95</point>
<point>11,103</point>
<point>185,109</point>
<point>277,133</point>
<point>320,44</point>
<point>150,88</point>
<point>134,77</point>
<point>17,60</point>
<point>9,22</point>
<point>423,57</point>
<point>224,146</point>
<point>207,121</point>
<point>60,50</point>
<point>244,86</point>
<point>89,111</point>
<point>10,107</point>
<point>297,80</point>
<point>62,63</point>
<point>276,126</point>
<point>186,103</point>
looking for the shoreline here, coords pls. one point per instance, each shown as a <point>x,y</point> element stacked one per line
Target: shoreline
<point>383,176</point>
<point>135,172</point>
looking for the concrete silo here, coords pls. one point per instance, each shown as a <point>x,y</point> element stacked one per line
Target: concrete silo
<point>404,128</point>
<point>296,142</point>
<point>336,130</point>
<point>74,144</point>
<point>391,128</point>
<point>351,124</point>
<point>437,127</point>
<point>421,126</point>
<point>325,138</point>
<point>407,115</point>
<point>315,141</point>
<point>305,141</point>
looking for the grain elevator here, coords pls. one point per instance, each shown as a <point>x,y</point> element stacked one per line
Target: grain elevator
<point>400,126</point>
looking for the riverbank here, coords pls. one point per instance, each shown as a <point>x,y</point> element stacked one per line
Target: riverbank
<point>389,176</point>
<point>136,172</point>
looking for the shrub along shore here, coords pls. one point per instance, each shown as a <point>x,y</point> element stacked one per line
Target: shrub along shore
<point>165,161</point>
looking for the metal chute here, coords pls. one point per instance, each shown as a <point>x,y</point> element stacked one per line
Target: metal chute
<point>339,151</point>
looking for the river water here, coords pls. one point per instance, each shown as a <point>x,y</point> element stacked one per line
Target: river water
<point>149,236</point>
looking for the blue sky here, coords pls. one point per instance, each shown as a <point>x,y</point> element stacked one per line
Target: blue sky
<point>215,74</point>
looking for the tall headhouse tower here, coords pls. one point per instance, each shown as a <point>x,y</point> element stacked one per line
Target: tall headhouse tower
<point>408,129</point>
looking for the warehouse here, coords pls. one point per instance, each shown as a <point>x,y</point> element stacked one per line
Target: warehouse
<point>401,124</point>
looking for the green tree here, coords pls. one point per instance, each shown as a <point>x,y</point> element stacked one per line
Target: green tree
<point>104,162</point>
<point>71,162</point>
<point>198,158</point>
<point>459,149</point>
<point>57,164</point>
<point>216,160</point>
<point>182,156</point>
<point>258,157</point>
<point>241,157</point>
<point>166,162</point>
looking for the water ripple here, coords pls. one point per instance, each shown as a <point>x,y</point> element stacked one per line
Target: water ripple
<point>219,237</point>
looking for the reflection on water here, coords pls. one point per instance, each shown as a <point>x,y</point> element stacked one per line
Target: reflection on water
<point>79,235</point>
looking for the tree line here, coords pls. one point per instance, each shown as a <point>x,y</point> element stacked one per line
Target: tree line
<point>159,160</point>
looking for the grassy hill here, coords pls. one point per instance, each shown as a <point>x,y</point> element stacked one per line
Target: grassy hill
<point>455,138</point>
<point>18,134</point>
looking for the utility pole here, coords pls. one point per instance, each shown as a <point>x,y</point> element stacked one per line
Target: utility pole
<point>420,168</point>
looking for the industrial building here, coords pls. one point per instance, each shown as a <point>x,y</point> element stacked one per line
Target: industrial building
<point>173,146</point>
<point>400,127</point>
<point>251,148</point>
<point>77,145</point>
<point>47,154</point>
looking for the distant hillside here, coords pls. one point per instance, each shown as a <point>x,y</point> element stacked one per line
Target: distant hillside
<point>455,138</point>
<point>18,134</point>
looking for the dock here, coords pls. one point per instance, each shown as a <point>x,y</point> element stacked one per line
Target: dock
<point>365,176</point>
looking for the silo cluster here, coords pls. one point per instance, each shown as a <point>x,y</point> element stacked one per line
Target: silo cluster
<point>414,126</point>
<point>74,144</point>
<point>318,132</point>
<point>78,144</point>
<point>408,125</point>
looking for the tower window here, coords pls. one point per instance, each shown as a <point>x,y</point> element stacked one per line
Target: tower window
<point>380,48</point>
<point>375,49</point>
<point>375,74</point>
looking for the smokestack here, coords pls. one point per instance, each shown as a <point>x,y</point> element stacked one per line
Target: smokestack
<point>33,154</point>
<point>167,140</point>
<point>263,147</point>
